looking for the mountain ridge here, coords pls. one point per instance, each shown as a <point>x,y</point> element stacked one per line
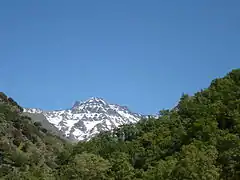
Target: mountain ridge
<point>87,118</point>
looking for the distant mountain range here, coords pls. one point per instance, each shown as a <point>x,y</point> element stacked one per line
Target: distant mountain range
<point>84,119</point>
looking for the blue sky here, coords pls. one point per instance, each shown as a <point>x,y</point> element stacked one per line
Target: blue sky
<point>143,54</point>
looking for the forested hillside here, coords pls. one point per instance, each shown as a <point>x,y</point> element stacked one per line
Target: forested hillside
<point>198,139</point>
<point>27,151</point>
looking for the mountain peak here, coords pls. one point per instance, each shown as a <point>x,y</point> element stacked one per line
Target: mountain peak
<point>96,100</point>
<point>90,101</point>
<point>87,118</point>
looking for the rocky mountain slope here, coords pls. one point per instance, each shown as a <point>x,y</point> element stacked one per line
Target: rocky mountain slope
<point>88,118</point>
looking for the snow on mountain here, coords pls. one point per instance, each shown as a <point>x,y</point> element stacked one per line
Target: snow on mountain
<point>88,118</point>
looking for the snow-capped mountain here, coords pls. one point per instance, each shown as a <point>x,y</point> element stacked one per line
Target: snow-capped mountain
<point>88,118</point>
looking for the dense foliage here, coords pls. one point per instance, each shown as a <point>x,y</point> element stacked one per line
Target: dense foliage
<point>27,151</point>
<point>198,139</point>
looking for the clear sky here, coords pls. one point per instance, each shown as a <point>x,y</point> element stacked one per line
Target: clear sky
<point>143,54</point>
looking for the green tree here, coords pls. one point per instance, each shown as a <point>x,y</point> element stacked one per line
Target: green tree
<point>197,162</point>
<point>86,166</point>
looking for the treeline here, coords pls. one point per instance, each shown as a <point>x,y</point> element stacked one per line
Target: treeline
<point>198,139</point>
